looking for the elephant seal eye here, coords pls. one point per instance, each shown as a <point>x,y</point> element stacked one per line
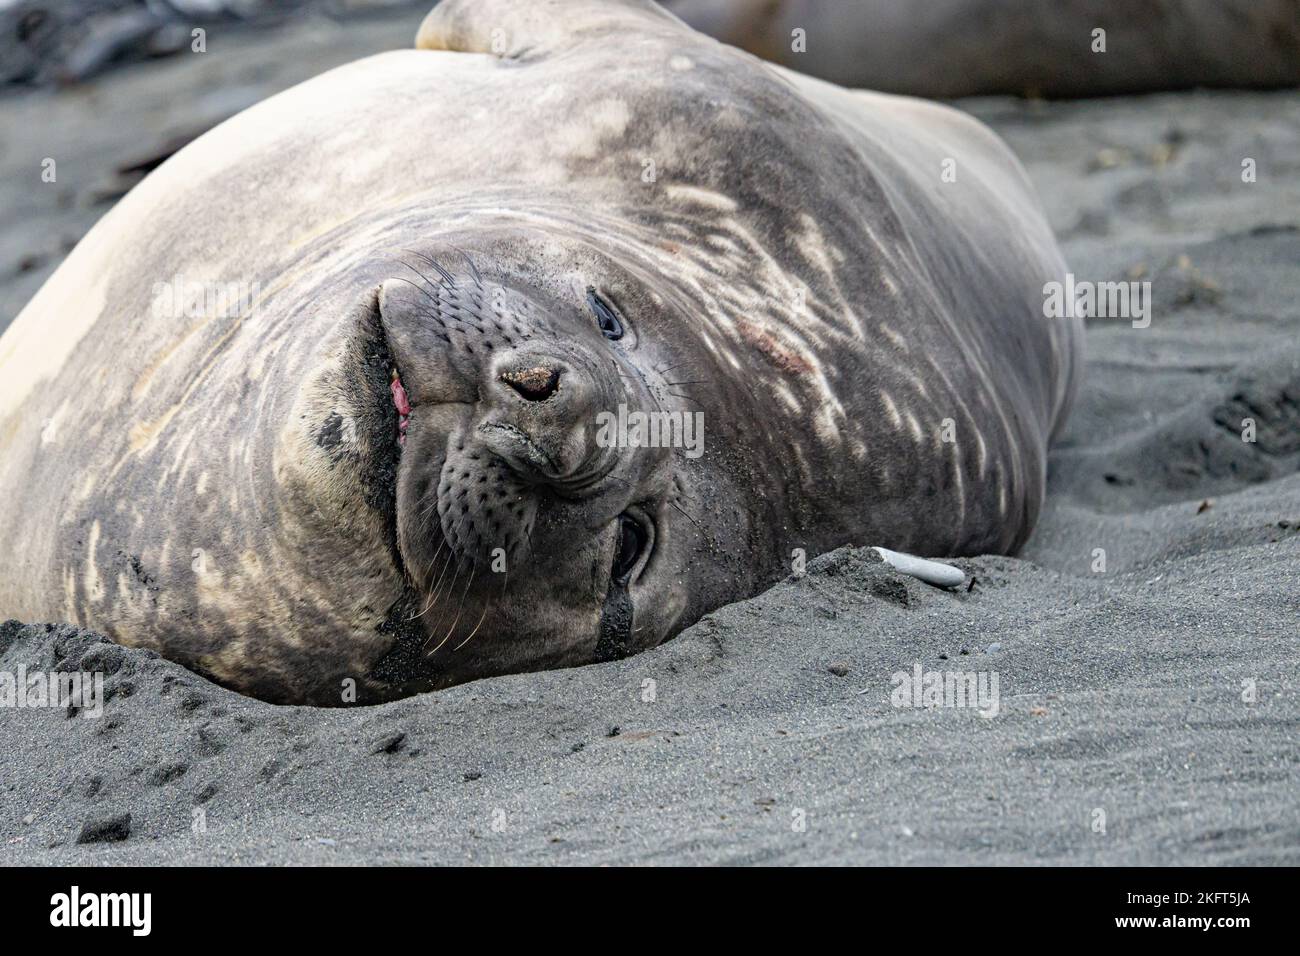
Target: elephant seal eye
<point>631,542</point>
<point>608,321</point>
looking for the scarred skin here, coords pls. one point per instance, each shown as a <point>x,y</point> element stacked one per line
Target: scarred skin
<point>385,473</point>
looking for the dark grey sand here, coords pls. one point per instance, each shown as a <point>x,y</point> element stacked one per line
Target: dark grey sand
<point>1121,692</point>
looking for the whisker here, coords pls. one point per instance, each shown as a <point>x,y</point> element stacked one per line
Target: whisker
<point>428,604</point>
<point>473,269</point>
<point>446,276</point>
<point>435,593</point>
<point>456,529</point>
<point>459,611</point>
<point>421,289</point>
<point>686,515</point>
<point>483,616</point>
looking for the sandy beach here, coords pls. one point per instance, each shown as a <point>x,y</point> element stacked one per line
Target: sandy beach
<point>1149,701</point>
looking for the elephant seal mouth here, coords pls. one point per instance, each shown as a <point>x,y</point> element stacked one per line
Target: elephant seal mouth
<point>401,403</point>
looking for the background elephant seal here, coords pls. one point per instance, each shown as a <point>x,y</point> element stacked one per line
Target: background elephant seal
<point>318,403</point>
<point>944,48</point>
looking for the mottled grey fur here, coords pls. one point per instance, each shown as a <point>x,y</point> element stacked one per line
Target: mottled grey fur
<point>784,254</point>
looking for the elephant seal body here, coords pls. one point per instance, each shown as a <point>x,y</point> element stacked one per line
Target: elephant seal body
<point>379,458</point>
<point>946,48</point>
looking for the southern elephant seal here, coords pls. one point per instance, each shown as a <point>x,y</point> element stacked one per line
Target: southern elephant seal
<point>946,48</point>
<point>373,455</point>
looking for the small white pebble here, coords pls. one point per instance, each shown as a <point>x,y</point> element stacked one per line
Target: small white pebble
<point>931,572</point>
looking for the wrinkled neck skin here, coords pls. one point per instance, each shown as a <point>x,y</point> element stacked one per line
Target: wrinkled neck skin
<point>495,455</point>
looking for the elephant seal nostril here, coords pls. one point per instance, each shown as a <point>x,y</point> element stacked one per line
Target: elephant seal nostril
<point>535,384</point>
